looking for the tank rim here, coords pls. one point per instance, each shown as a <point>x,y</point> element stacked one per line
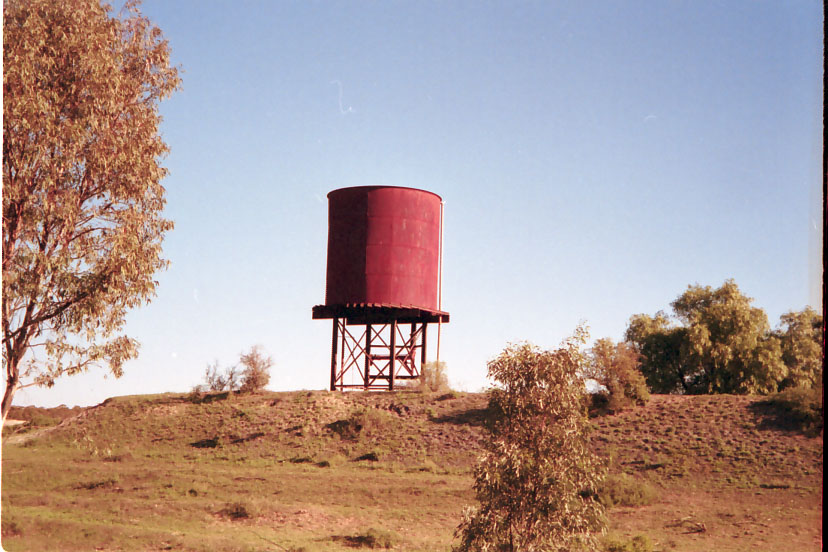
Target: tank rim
<point>367,188</point>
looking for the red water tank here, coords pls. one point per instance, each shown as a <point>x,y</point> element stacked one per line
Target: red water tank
<point>383,247</point>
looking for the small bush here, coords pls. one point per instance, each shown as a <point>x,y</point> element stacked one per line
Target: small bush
<point>615,367</point>
<point>543,505</point>
<point>195,395</point>
<point>255,374</point>
<point>797,408</point>
<point>433,378</point>
<point>625,490</point>
<point>252,373</point>
<point>217,380</point>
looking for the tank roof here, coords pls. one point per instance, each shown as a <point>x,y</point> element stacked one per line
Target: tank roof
<point>368,188</point>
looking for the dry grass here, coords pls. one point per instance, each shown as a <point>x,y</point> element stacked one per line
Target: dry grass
<point>727,478</point>
<point>281,471</point>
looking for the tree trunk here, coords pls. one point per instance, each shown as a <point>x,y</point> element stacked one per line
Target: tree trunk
<point>683,380</point>
<point>12,380</point>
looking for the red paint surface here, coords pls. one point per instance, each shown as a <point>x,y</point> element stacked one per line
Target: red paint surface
<point>383,247</point>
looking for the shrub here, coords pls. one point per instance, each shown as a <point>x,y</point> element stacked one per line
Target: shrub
<point>255,374</point>
<point>195,395</point>
<point>615,367</point>
<point>216,379</point>
<point>433,378</point>
<point>625,490</point>
<point>536,482</point>
<point>252,373</point>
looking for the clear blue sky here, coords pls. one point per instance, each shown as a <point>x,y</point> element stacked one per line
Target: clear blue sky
<point>595,158</point>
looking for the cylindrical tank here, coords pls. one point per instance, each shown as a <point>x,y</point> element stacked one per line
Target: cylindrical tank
<point>383,247</point>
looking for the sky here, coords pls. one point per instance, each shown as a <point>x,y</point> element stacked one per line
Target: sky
<point>595,159</point>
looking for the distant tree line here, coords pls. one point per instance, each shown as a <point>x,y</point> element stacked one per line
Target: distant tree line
<point>714,341</point>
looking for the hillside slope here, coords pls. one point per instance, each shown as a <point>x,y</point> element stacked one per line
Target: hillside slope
<point>329,471</point>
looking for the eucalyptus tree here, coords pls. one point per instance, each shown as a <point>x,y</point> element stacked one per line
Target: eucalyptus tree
<point>662,346</point>
<point>82,193</point>
<point>538,479</point>
<point>716,341</point>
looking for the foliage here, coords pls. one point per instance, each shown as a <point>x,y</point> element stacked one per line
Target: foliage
<point>217,380</point>
<point>798,408</point>
<point>716,342</point>
<point>615,367</point>
<point>255,374</point>
<point>82,193</point>
<point>625,490</point>
<point>252,373</point>
<point>537,481</point>
<point>801,336</point>
<point>661,346</point>
<point>433,378</point>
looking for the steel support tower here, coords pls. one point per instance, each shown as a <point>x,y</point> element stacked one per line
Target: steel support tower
<point>374,347</point>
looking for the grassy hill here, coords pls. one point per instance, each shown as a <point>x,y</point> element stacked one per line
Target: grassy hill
<point>333,471</point>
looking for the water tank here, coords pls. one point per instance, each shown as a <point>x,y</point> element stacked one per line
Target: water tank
<point>383,247</point>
